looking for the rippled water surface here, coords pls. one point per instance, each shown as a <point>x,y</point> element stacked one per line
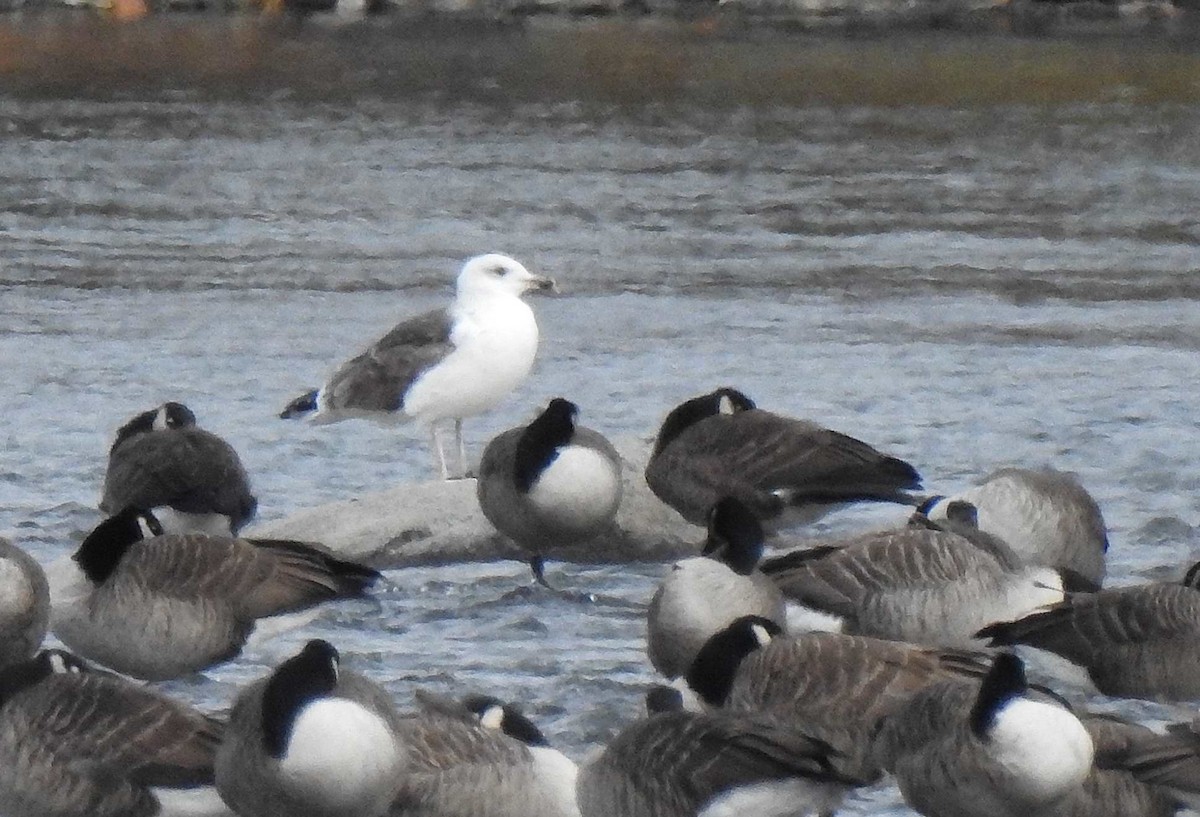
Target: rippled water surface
<point>964,287</point>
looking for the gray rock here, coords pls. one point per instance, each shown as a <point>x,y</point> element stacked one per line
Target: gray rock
<point>440,522</point>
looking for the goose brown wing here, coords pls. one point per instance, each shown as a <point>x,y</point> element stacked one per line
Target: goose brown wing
<point>260,577</point>
<point>132,730</point>
<point>1087,625</point>
<point>768,461</point>
<point>1170,760</point>
<point>439,742</point>
<point>377,379</point>
<point>838,578</point>
<point>189,469</point>
<point>817,464</point>
<point>699,756</point>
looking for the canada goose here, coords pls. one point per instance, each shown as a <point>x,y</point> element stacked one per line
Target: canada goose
<point>830,686</point>
<point>494,713</point>
<point>311,739</point>
<point>987,749</point>
<point>480,757</point>
<point>1137,772</point>
<point>443,365</point>
<point>1047,517</point>
<point>24,604</point>
<point>77,743</point>
<point>701,595</point>
<point>550,483</point>
<point>719,764</point>
<point>720,444</point>
<point>916,584</point>
<point>1140,642</point>
<point>158,606</point>
<point>190,478</point>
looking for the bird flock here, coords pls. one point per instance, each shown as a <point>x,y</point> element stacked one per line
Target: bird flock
<point>792,672</point>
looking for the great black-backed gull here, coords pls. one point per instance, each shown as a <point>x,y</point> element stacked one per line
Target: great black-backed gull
<point>443,365</point>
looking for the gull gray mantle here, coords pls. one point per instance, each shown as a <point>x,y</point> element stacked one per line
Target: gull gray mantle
<point>440,522</point>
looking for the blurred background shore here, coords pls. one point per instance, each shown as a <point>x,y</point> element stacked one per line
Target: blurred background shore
<point>727,55</point>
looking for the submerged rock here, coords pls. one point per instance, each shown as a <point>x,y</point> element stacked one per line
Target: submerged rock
<point>440,522</point>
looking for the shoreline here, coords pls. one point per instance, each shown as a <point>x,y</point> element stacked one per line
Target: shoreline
<point>717,58</point>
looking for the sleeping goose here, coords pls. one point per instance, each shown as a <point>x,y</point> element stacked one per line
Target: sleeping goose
<point>701,595</point>
<point>481,758</point>
<point>987,749</point>
<point>190,478</point>
<point>24,604</point>
<point>159,606</point>
<point>688,764</point>
<point>1141,641</point>
<point>830,686</point>
<point>1137,772</point>
<point>920,584</point>
<point>550,483</point>
<point>311,740</point>
<point>78,743</point>
<point>1047,517</point>
<point>720,445</point>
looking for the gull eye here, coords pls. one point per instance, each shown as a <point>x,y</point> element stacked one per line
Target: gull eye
<point>499,271</point>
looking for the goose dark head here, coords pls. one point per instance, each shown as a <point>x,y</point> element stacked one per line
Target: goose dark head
<point>735,536</point>
<point>1192,577</point>
<point>102,550</point>
<point>715,666</point>
<point>311,674</point>
<point>1003,683</point>
<point>495,714</point>
<point>540,441</point>
<point>662,698</point>
<point>25,674</point>
<point>690,412</point>
<point>169,415</point>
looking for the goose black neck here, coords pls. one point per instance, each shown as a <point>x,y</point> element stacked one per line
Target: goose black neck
<point>735,536</point>
<point>716,665</point>
<point>1004,682</point>
<point>541,440</point>
<point>311,674</point>
<point>690,412</point>
<point>22,675</point>
<point>102,550</point>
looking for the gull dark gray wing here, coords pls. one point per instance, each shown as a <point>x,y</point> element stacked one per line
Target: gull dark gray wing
<point>377,379</point>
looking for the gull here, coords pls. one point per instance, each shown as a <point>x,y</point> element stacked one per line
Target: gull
<point>447,364</point>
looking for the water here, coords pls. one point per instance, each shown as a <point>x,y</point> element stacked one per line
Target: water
<point>966,287</point>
